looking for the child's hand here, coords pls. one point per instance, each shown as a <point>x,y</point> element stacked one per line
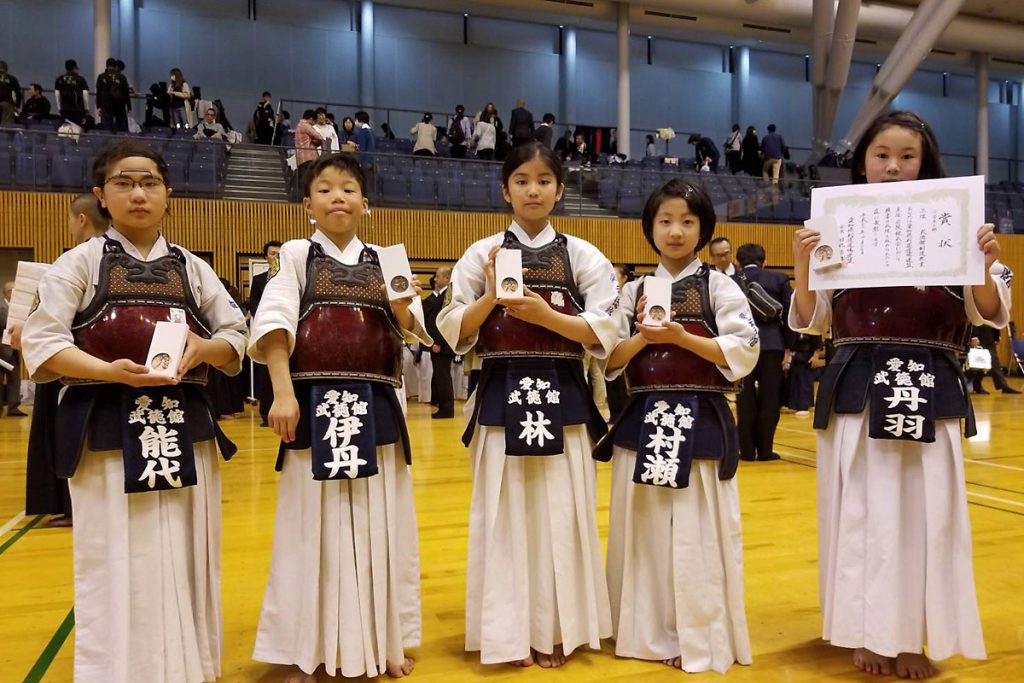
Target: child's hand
<point>641,309</point>
<point>804,242</point>
<point>988,243</point>
<point>195,353</point>
<point>400,307</point>
<point>670,333</point>
<point>125,371</point>
<point>489,270</point>
<point>531,307</point>
<point>284,417</point>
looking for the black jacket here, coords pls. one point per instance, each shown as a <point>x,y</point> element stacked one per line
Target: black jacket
<point>543,135</point>
<point>259,283</point>
<point>774,336</point>
<point>521,123</point>
<point>432,305</point>
<point>112,91</point>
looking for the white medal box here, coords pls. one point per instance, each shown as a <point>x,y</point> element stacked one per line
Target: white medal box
<point>167,348</point>
<point>826,255</point>
<point>508,274</point>
<point>658,308</point>
<point>394,264</point>
<point>26,286</point>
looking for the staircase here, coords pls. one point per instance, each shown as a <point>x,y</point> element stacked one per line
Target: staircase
<point>255,173</point>
<point>582,205</point>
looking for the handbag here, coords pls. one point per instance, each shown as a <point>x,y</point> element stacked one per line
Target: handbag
<point>765,307</point>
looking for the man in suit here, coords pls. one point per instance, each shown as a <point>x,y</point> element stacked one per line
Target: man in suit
<point>441,354</point>
<point>259,283</point>
<point>520,126</point>
<point>10,378</point>
<point>989,337</point>
<point>759,403</point>
<point>545,130</point>
<point>721,255</point>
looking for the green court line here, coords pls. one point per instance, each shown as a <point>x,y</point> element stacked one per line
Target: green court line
<point>21,532</point>
<point>35,675</point>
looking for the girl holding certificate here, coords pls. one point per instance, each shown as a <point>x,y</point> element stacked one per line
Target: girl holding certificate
<point>344,587</point>
<point>894,535</point>
<point>535,587</point>
<point>139,447</point>
<point>675,552</point>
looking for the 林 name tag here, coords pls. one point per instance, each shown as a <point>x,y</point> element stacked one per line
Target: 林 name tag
<point>508,274</point>
<point>658,308</point>
<point>167,348</point>
<point>394,264</point>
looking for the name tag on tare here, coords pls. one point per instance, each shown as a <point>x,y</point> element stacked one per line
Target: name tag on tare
<point>167,348</point>
<point>394,264</point>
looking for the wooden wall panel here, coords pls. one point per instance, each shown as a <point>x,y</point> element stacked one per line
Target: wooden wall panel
<point>38,221</point>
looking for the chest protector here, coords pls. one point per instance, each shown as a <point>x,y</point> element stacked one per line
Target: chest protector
<point>346,327</point>
<point>132,296</point>
<point>929,316</point>
<point>667,367</point>
<point>548,272</point>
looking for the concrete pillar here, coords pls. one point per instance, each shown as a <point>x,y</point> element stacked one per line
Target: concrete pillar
<point>127,42</point>
<point>366,54</point>
<point>567,81</point>
<point>822,20</point>
<point>740,85</point>
<point>981,76</point>
<point>622,45</point>
<point>100,38</point>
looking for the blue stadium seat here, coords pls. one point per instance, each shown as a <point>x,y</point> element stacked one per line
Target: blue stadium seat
<point>202,179</point>
<point>30,170</point>
<point>421,189</point>
<point>394,188</point>
<point>475,194</point>
<point>68,173</point>
<point>6,175</point>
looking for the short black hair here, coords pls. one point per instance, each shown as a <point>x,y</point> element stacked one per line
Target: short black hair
<point>320,110</point>
<point>120,65</point>
<point>719,240</point>
<point>122,149</point>
<point>931,160</point>
<point>459,109</point>
<point>518,156</point>
<point>750,254</point>
<point>694,137</point>
<point>771,127</point>
<point>428,117</point>
<point>36,86</point>
<point>549,118</point>
<point>362,117</point>
<point>308,114</point>
<point>342,161</point>
<point>70,64</point>
<point>266,93</point>
<point>696,199</point>
<point>268,245</point>
<point>111,63</point>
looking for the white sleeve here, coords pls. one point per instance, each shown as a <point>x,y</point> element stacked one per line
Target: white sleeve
<point>418,333</point>
<point>737,332</point>
<point>226,320</point>
<point>820,319</point>
<point>1002,276</point>
<point>624,316</point>
<point>595,277</point>
<point>279,307</point>
<point>47,331</point>
<point>468,284</point>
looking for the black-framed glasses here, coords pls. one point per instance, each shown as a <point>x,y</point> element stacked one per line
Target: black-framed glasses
<point>126,183</point>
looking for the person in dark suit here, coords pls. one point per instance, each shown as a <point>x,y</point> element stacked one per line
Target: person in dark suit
<point>759,403</point>
<point>989,337</point>
<point>261,378</point>
<point>545,130</point>
<point>11,378</point>
<point>520,126</point>
<point>441,354</point>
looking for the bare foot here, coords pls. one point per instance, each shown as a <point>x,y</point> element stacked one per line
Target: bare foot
<point>675,662</point>
<point>297,675</point>
<point>551,661</point>
<point>528,661</point>
<point>61,521</point>
<point>872,663</point>
<point>403,669</point>
<point>914,665</point>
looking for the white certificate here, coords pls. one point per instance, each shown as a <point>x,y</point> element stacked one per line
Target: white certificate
<point>915,233</point>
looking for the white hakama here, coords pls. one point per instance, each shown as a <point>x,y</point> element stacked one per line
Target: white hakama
<point>344,584</point>
<point>675,568</point>
<point>906,503</point>
<point>534,575</point>
<point>147,574</point>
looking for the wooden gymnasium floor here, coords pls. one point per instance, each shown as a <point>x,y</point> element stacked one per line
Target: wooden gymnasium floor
<point>778,499</point>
